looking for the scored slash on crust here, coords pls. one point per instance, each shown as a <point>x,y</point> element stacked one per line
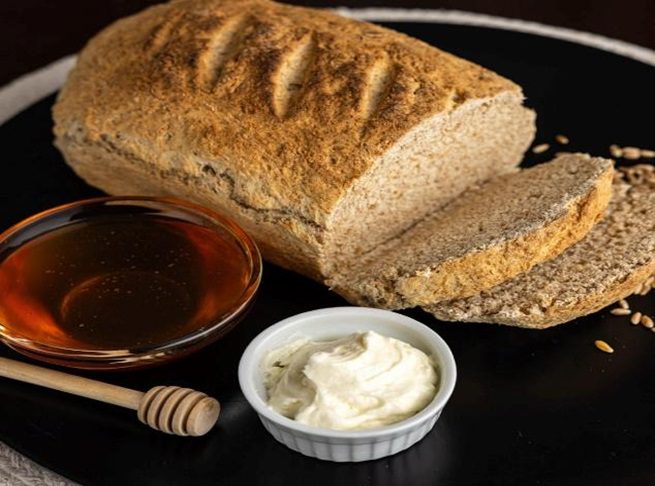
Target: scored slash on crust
<point>379,79</point>
<point>291,75</point>
<point>224,44</point>
<point>162,33</point>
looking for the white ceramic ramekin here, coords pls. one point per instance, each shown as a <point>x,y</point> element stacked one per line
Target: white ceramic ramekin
<point>346,446</point>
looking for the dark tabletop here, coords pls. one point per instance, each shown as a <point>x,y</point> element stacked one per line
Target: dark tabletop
<point>35,32</point>
<point>530,408</point>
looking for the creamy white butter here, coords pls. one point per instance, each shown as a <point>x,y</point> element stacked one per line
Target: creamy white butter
<point>357,382</point>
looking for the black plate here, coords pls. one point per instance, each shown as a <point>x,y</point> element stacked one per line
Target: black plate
<point>529,407</point>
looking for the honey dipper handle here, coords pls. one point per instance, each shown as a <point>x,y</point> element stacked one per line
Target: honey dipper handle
<point>76,385</point>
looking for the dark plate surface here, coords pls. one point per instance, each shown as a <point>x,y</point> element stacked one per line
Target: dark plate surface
<point>529,407</point>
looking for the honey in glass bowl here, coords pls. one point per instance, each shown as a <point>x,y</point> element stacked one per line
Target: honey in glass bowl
<point>123,282</point>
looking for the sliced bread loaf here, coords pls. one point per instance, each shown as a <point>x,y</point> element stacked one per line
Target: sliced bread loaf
<point>488,235</point>
<point>321,135</point>
<point>615,257</point>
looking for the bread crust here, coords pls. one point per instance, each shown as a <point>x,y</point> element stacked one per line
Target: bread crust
<point>271,111</point>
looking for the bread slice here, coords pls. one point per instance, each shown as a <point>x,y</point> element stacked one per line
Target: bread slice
<point>486,236</point>
<point>615,257</point>
<point>322,136</point>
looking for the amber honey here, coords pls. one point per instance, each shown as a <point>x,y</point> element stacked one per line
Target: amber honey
<point>121,282</point>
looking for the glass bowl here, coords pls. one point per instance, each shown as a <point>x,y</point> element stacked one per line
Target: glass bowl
<point>123,282</point>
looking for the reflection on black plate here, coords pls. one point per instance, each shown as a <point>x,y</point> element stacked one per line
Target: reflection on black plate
<point>529,407</point>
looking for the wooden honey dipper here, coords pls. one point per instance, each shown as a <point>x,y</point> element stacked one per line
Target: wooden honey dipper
<point>170,409</point>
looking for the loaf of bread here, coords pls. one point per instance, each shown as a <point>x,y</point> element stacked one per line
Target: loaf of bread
<point>321,135</point>
<point>615,257</point>
<point>484,237</point>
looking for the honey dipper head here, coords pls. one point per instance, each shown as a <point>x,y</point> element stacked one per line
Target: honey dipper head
<point>179,411</point>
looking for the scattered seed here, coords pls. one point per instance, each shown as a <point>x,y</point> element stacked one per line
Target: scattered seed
<point>635,318</point>
<point>541,148</point>
<point>624,304</point>
<point>648,154</point>
<point>647,322</point>
<point>631,153</point>
<point>616,151</point>
<point>603,346</point>
<point>562,139</point>
<point>618,311</point>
